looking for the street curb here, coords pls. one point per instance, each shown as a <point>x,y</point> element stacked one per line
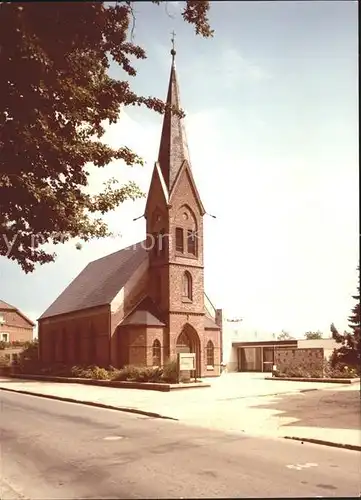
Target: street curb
<point>352,447</point>
<point>125,384</point>
<point>290,393</point>
<point>91,403</point>
<point>344,381</point>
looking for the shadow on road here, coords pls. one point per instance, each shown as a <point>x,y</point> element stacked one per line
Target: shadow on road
<point>327,409</point>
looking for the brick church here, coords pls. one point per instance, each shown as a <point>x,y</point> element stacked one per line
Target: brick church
<point>144,304</point>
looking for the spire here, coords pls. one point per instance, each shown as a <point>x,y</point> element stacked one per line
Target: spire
<point>173,144</point>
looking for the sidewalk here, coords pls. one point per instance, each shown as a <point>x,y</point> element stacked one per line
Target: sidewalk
<point>323,412</point>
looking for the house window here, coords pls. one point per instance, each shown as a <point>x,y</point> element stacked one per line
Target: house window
<point>210,354</point>
<point>191,242</point>
<point>157,356</point>
<point>179,242</point>
<point>2,320</point>
<point>4,337</point>
<point>187,286</point>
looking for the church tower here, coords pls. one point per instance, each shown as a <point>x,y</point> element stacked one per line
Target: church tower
<point>174,220</point>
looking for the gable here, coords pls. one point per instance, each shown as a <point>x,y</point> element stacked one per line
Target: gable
<point>158,192</point>
<point>183,182</point>
<point>145,313</point>
<point>13,316</point>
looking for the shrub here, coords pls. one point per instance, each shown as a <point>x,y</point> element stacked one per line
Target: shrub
<point>150,374</point>
<point>126,373</point>
<point>156,374</point>
<point>76,371</point>
<point>339,370</point>
<point>28,361</point>
<point>100,373</point>
<point>170,371</point>
<point>4,361</point>
<point>5,365</point>
<point>326,371</point>
<point>92,372</point>
<point>138,374</point>
<point>298,371</point>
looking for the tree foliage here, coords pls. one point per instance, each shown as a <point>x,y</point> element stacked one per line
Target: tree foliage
<point>350,346</point>
<point>313,335</point>
<point>55,96</point>
<point>284,336</point>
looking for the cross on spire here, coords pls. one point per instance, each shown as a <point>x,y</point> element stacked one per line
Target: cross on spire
<point>173,52</point>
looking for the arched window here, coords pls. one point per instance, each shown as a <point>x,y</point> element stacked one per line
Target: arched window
<point>192,242</point>
<point>187,286</point>
<point>186,232</point>
<point>157,353</point>
<point>210,353</point>
<point>179,239</point>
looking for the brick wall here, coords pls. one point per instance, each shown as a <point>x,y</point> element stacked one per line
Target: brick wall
<point>81,337</point>
<point>137,338</point>
<point>135,345</point>
<point>308,358</point>
<point>154,333</point>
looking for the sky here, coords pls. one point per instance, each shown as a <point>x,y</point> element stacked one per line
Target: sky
<point>271,106</point>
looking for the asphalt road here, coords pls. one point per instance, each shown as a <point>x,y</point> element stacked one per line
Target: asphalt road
<point>57,450</point>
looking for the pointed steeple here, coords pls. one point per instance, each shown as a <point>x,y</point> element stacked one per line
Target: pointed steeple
<point>173,144</point>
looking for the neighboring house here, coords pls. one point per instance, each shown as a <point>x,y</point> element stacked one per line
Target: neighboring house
<point>260,355</point>
<point>14,325</point>
<point>144,304</point>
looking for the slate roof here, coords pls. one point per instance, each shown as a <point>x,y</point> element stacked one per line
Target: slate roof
<point>144,313</point>
<point>8,307</point>
<point>99,282</point>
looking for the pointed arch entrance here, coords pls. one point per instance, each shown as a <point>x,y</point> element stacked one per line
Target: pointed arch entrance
<point>188,341</point>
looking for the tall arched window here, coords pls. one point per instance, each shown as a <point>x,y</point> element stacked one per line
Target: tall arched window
<point>210,353</point>
<point>179,239</point>
<point>157,353</point>
<point>192,242</point>
<point>187,286</point>
<point>187,232</point>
